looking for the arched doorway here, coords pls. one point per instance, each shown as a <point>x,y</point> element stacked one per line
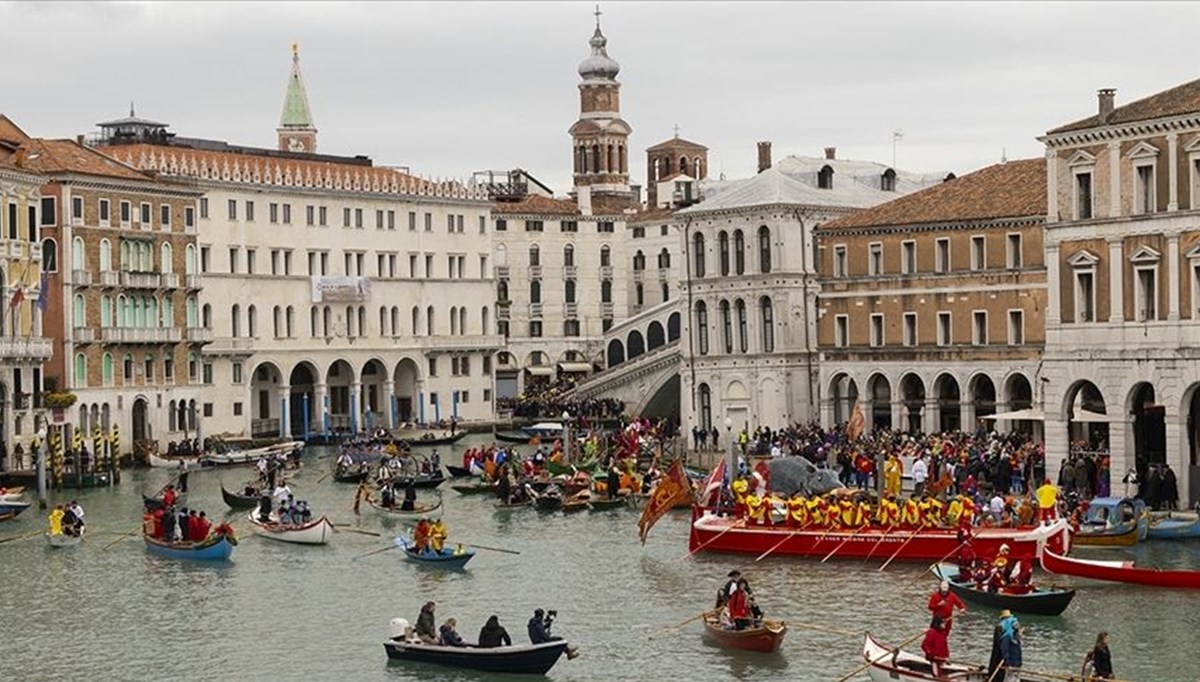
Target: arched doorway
<point>375,399</point>
<point>912,394</point>
<point>1018,393</point>
<point>949,400</point>
<point>264,408</point>
<point>1087,421</point>
<point>338,383</point>
<point>141,427</point>
<point>1149,428</point>
<point>880,390</point>
<point>406,389</point>
<point>843,393</point>
<point>983,396</point>
<point>303,381</point>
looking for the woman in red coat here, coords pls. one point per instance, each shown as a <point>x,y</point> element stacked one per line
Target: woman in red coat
<point>936,646</point>
<point>739,605</point>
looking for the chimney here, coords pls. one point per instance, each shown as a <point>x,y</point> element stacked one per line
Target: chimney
<point>79,140</point>
<point>1105,95</point>
<point>764,156</point>
<point>583,196</point>
<point>831,153</point>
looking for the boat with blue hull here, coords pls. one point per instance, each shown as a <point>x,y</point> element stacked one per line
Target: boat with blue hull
<point>1175,528</point>
<point>10,508</point>
<point>446,559</point>
<point>212,550</point>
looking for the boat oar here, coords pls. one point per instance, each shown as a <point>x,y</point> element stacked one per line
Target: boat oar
<point>679,625</point>
<point>325,476</point>
<point>779,544</point>
<point>378,551</point>
<point>840,545</point>
<point>879,541</point>
<point>361,532</point>
<point>857,671</point>
<point>904,544</point>
<point>492,549</point>
<point>114,542</point>
<point>708,542</point>
<point>22,537</point>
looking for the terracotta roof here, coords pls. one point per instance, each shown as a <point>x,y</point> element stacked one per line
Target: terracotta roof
<point>537,204</point>
<point>1005,190</point>
<point>11,132</point>
<point>1176,101</point>
<point>676,143</point>
<point>68,156</point>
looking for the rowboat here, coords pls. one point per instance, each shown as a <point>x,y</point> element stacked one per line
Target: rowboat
<point>458,472</point>
<point>505,506</point>
<point>157,501</point>
<point>474,489</point>
<point>541,431</point>
<point>712,532</point>
<point>528,659</point>
<point>1119,572</point>
<point>351,476</point>
<point>12,508</point>
<point>219,549</point>
<point>764,639</point>
<point>251,455</point>
<point>1173,528</point>
<point>417,510</point>
<point>607,504</point>
<point>429,438</point>
<point>1121,535</point>
<point>236,501</point>
<point>548,503</point>
<point>172,461</point>
<point>574,506</point>
<point>1041,601</point>
<point>59,540</point>
<point>445,559</point>
<point>317,532</point>
<point>1109,520</point>
<point>420,481</point>
<point>887,664</point>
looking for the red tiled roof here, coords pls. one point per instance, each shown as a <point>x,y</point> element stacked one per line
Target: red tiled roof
<point>1005,190</point>
<point>1176,101</point>
<point>67,156</point>
<point>537,204</point>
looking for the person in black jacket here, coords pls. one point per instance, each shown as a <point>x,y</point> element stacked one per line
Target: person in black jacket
<point>1100,658</point>
<point>493,634</point>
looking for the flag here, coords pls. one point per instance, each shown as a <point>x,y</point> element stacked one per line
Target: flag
<point>43,298</point>
<point>17,297</point>
<point>713,484</point>
<point>671,490</point>
<point>854,429</point>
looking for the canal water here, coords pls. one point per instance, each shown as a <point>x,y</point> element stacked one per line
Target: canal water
<point>287,612</point>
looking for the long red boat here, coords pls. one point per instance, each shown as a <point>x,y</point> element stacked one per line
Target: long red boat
<point>711,532</point>
<point>1119,572</point>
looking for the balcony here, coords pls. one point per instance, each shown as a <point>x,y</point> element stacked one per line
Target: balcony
<point>139,280</point>
<point>458,344</point>
<point>169,280</point>
<point>535,272</point>
<point>639,275</point>
<point>226,345</point>
<point>141,335</point>
<point>606,309</point>
<point>199,335</point>
<point>34,348</point>
<point>570,272</point>
<point>502,272</point>
<point>535,311</point>
<point>606,272</point>
<point>571,310</point>
<point>83,335</point>
<point>110,278</point>
<point>81,278</point>
<point>16,249</point>
<point>664,274</point>
<point>194,282</point>
<point>503,313</point>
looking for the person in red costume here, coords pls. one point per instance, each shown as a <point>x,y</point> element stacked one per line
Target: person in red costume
<point>168,496</point>
<point>942,605</point>
<point>739,605</point>
<point>936,645</point>
<point>202,528</point>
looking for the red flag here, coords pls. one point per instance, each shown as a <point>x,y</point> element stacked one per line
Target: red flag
<point>857,421</point>
<point>671,490</point>
<point>712,484</point>
<point>18,296</point>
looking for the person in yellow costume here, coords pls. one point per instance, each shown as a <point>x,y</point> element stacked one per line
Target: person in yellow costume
<point>864,514</point>
<point>56,520</point>
<point>816,511</point>
<point>437,536</point>
<point>755,509</point>
<point>848,513</point>
<point>797,511</point>
<point>889,511</point>
<point>910,516</point>
<point>1047,499</point>
<point>933,513</point>
<point>954,511</point>
<point>892,471</point>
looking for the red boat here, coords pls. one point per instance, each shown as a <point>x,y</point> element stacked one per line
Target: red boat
<point>726,534</point>
<point>765,639</point>
<point>1119,572</point>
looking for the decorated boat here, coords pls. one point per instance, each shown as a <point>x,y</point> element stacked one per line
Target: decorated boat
<point>1121,535</point>
<point>474,488</point>
<point>888,664</point>
<point>417,510</point>
<point>527,659</point>
<point>239,501</point>
<point>447,558</point>
<point>1113,522</point>
<point>1119,572</point>
<point>712,532</point>
<point>11,508</point>
<point>234,457</point>
<point>60,540</point>
<point>765,638</point>
<point>218,548</point>
<point>1041,601</point>
<point>1175,528</point>
<point>317,532</point>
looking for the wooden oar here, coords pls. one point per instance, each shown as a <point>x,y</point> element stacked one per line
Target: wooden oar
<point>951,552</point>
<point>879,541</point>
<point>327,475</point>
<point>868,664</point>
<point>840,545</point>
<point>779,544</point>
<point>904,544</point>
<point>819,628</point>
<point>22,537</point>
<point>708,542</point>
<point>679,625</point>
<point>362,532</point>
<point>114,542</point>
<point>378,551</point>
<point>492,549</point>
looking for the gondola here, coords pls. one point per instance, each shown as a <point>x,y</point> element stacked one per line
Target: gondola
<point>887,664</point>
<point>508,506</point>
<point>155,502</point>
<point>417,510</point>
<point>317,532</point>
<point>765,638</point>
<point>1118,571</point>
<point>458,472</point>
<point>607,504</point>
<point>527,659</point>
<point>61,540</point>
<point>548,503</point>
<point>1171,528</point>
<point>172,461</point>
<point>474,489</point>
<point>447,558</point>
<point>219,549</point>
<point>10,508</point>
<point>1122,535</point>
<point>420,481</point>
<point>236,501</point>
<point>1041,601</point>
<point>1114,522</point>
<point>351,476</point>
<point>429,439</point>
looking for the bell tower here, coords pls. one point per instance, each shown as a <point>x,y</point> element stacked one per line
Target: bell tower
<point>600,137</point>
<point>296,130</point>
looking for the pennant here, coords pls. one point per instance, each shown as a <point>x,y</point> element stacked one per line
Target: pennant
<point>713,484</point>
<point>671,490</point>
<point>43,299</point>
<point>17,297</point>
<point>854,429</point>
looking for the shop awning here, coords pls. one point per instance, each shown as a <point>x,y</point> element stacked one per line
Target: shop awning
<point>1028,414</point>
<point>1087,416</point>
<point>575,366</point>
<point>540,371</point>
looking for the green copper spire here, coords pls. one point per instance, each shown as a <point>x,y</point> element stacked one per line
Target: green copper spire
<point>296,114</point>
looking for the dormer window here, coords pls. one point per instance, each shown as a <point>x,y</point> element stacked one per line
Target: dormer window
<point>825,178</point>
<point>887,181</point>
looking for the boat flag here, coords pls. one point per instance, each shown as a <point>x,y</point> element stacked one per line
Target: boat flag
<point>854,429</point>
<point>713,484</point>
<point>671,490</point>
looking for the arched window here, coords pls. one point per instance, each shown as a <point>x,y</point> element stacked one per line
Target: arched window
<point>137,316</point>
<point>235,321</point>
<point>314,319</point>
<point>105,255</point>
<point>127,261</point>
<point>605,257</point>
<point>152,318</point>
<point>453,320</point>
<point>172,422</point>
<point>595,158</point>
<point>743,333</point>
<point>193,312</point>
<point>606,291</point>
<point>726,326</point>
<point>127,369</point>
<point>189,259</point>
<point>49,255</point>
<point>383,317</point>
<point>698,254</point>
<point>639,261</point>
<point>639,294</point>
<point>764,249</point>
<point>276,320</point>
<point>78,254</point>
<point>484,321</point>
<point>416,320</point>
<point>666,292</point>
<point>664,259</point>
<point>79,312</point>
<point>147,257</point>
<point>206,316</point>
<point>252,321</point>
<point>289,319</point>
<point>362,320</point>
<point>535,256</point>
<point>825,178</point>
<point>106,311</point>
<point>193,367</point>
<point>429,320</point>
<point>739,252</point>
<point>80,370</point>
<point>569,291</point>
<point>106,369</point>
<point>349,321</point>
<point>462,320</point>
<point>723,250</point>
<point>326,321</point>
<point>705,407</point>
<point>887,181</point>
<point>502,290</point>
<point>166,258</point>
<point>683,165</point>
<point>768,324</point>
<point>535,291</point>
<point>395,319</point>
<point>568,256</point>
<point>702,327</point>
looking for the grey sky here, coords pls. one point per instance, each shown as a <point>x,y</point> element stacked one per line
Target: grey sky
<point>450,88</point>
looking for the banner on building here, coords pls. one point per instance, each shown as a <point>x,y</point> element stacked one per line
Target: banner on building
<point>327,289</point>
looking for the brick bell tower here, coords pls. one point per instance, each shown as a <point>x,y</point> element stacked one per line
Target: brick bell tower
<point>296,130</point>
<point>600,137</point>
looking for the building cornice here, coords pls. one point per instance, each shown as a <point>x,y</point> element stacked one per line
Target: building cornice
<point>947,226</point>
<point>700,212</point>
<point>184,188</point>
<point>1126,131</point>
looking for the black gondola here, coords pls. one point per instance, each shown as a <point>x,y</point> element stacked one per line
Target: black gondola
<point>236,501</point>
<point>152,503</point>
<point>474,489</point>
<point>1042,601</point>
<point>421,481</point>
<point>549,502</point>
<point>351,476</point>
<point>432,440</point>
<point>528,659</point>
<point>458,472</point>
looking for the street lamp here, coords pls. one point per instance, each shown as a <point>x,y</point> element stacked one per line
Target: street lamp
<point>40,454</point>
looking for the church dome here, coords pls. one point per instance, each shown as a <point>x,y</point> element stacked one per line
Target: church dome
<point>599,66</point>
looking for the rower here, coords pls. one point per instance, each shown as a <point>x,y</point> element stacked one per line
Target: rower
<point>410,497</point>
<point>437,536</point>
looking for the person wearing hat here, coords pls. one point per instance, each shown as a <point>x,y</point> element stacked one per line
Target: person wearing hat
<point>728,588</point>
<point>1006,647</point>
<point>426,628</point>
<point>942,604</point>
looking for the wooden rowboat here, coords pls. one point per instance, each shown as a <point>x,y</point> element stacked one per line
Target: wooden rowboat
<point>317,532</point>
<point>1041,601</point>
<point>63,540</point>
<point>236,501</point>
<point>458,472</point>
<point>219,549</point>
<point>1172,528</point>
<point>1119,571</point>
<point>764,639</point>
<point>887,664</point>
<point>1123,535</point>
<point>446,559</point>
<point>417,510</point>
<point>528,659</point>
<point>474,489</point>
<point>607,504</point>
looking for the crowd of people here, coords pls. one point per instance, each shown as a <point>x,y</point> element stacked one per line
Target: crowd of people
<point>549,402</point>
<point>491,635</point>
<point>166,523</point>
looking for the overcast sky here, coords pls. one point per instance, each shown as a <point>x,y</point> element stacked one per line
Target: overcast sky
<point>449,88</point>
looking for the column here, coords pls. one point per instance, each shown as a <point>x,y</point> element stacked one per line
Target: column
<point>966,413</point>
<point>1121,448</point>
<point>1116,286</point>
<point>1177,454</point>
<point>321,405</point>
<point>827,414</point>
<point>1053,285</point>
<point>1114,179</point>
<point>355,401</point>
<point>931,415</point>
<point>305,415</point>
<point>1051,186</point>
<point>1173,182</point>
<point>285,411</point>
<point>1173,279</point>
<point>898,416</point>
<point>393,403</point>
<point>1002,405</point>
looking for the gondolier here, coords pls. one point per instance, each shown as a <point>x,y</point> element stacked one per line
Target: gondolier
<point>942,604</point>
